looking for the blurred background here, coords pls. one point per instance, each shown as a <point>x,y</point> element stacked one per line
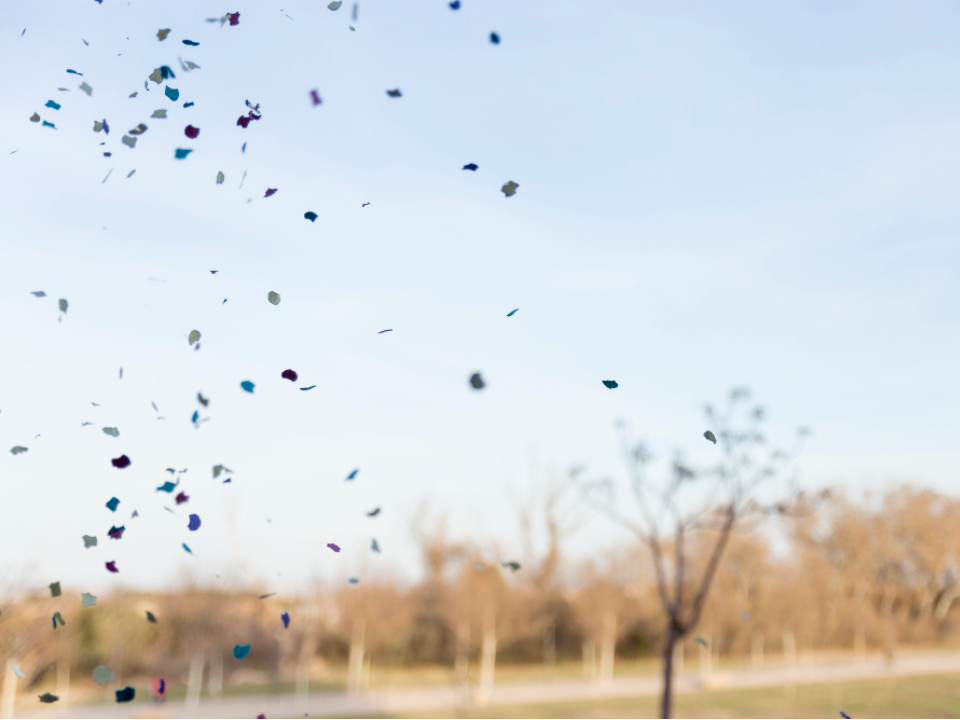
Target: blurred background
<point>709,196</point>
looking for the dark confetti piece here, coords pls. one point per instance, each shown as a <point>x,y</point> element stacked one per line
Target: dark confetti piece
<point>315,97</point>
<point>189,42</point>
<point>112,566</point>
<point>194,523</point>
<point>151,617</point>
<point>241,651</point>
<point>171,93</point>
<point>48,698</point>
<point>476,382</point>
<point>126,694</point>
<point>395,93</point>
<point>55,589</point>
<point>509,188</point>
<point>52,104</point>
<point>248,386</point>
<point>510,314</point>
<point>286,620</point>
<point>234,18</point>
<point>49,125</point>
<point>385,331</point>
<point>182,153</point>
<point>57,617</point>
<point>112,503</point>
<point>710,436</point>
<point>471,166</point>
<point>513,565</point>
<point>187,548</point>
<point>374,546</point>
<point>309,388</point>
<point>455,5</point>
<point>310,215</point>
<point>334,547</point>
<point>182,498</point>
<point>352,475</point>
<point>116,533</point>
<point>189,104</point>
<point>121,462</point>
<point>373,513</point>
<point>611,384</point>
<point>289,375</point>
<point>167,487</point>
<point>494,38</point>
<point>269,192</point>
<point>191,132</point>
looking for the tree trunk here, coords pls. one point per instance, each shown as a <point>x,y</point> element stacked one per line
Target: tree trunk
<point>461,665</point>
<point>195,683</point>
<point>589,651</point>
<point>666,699</point>
<point>355,671</point>
<point>678,653</point>
<point>608,649</point>
<point>488,657</point>
<point>550,646</point>
<point>215,676</point>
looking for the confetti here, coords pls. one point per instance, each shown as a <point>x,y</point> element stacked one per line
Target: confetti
<point>335,5</point>
<point>248,386</point>
<point>455,5</point>
<point>171,93</point>
<point>273,297</point>
<point>55,589</point>
<point>88,600</point>
<point>309,388</point>
<point>511,313</point>
<point>89,541</point>
<point>87,89</point>
<point>513,565</point>
<point>112,504</point>
<point>315,97</point>
<point>126,694</point>
<point>476,382</point>
<point>190,42</point>
<point>38,293</point>
<point>217,469</point>
<point>352,475</point>
<point>181,153</point>
<point>373,513</point>
<point>151,617</point>
<point>121,462</point>
<point>241,651</point>
<point>610,384</point>
<point>112,566</point>
<point>194,523</point>
<point>17,671</point>
<point>710,436</point>
<point>162,34</point>
<point>844,715</point>
<point>111,431</point>
<point>191,132</point>
<point>130,174</point>
<point>102,675</point>
<point>194,337</point>
<point>17,449</point>
<point>510,188</point>
<point>374,546</point>
<point>310,215</point>
<point>234,18</point>
<point>471,166</point>
<point>269,192</point>
<point>700,641</point>
<point>116,533</point>
<point>494,38</point>
<point>202,400</point>
<point>52,104</point>
<point>286,620</point>
<point>254,114</point>
<point>394,93</point>
<point>385,331</point>
<point>74,72</point>
<point>182,498</point>
<point>138,130</point>
<point>289,375</point>
<point>353,581</point>
<point>187,548</point>
<point>49,125</point>
<point>129,141</point>
<point>220,178</point>
<point>57,617</point>
<point>162,114</point>
<point>48,698</point>
<point>334,547</point>
<point>34,118</point>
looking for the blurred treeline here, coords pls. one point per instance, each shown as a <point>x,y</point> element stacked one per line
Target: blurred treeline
<point>860,576</point>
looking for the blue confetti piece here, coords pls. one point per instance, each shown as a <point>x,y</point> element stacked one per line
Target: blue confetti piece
<point>112,504</point>
<point>309,388</point>
<point>167,487</point>
<point>187,548</point>
<point>228,480</point>
<point>194,523</point>
<point>247,385</point>
<point>182,153</point>
<point>455,5</point>
<point>610,384</point>
<point>354,581</point>
<point>352,475</point>
<point>471,166</point>
<point>244,148</point>
<point>166,72</point>
<point>49,124</point>
<point>196,415</point>
<point>52,104</point>
<point>128,693</point>
<point>510,314</point>
<point>74,72</point>
<point>494,38</point>
<point>844,715</point>
<point>188,104</point>
<point>310,215</point>
<point>241,651</point>
<point>189,42</point>
<point>171,93</point>
<point>286,620</point>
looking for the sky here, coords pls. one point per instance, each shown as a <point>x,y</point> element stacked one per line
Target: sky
<point>711,195</point>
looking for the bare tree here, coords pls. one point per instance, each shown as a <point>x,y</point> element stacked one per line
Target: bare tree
<point>706,505</point>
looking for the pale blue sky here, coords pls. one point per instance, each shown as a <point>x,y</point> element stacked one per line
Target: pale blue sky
<point>711,194</point>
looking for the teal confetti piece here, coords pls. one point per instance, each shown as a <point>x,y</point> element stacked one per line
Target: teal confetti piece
<point>171,93</point>
<point>512,312</point>
<point>52,104</point>
<point>187,548</point>
<point>247,385</point>
<point>611,384</point>
<point>182,153</point>
<point>112,504</point>
<point>167,487</point>
<point>241,651</point>
<point>49,125</point>
<point>74,72</point>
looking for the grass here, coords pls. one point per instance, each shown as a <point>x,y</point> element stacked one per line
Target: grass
<point>930,696</point>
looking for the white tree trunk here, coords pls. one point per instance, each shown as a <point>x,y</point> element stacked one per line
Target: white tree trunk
<point>608,649</point>
<point>9,695</point>
<point>355,665</point>
<point>195,682</point>
<point>488,657</point>
<point>589,651</point>
<point>215,676</point>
